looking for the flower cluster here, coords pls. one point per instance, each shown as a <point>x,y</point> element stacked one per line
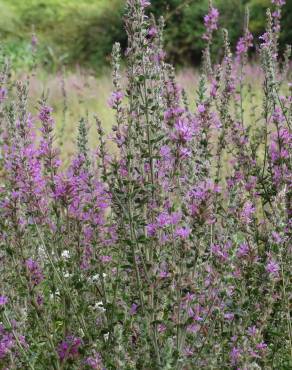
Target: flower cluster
<point>34,272</point>
<point>211,22</point>
<point>244,43</point>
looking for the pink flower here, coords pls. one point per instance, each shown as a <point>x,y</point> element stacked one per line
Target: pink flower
<point>235,355</point>
<point>163,274</point>
<point>151,229</point>
<point>261,346</point>
<point>105,259</point>
<point>35,274</point>
<point>163,219</point>
<point>133,309</point>
<point>69,348</point>
<point>229,316</point>
<point>193,328</point>
<point>95,361</point>
<point>183,232</point>
<point>272,268</point>
<point>252,331</point>
<point>161,328</point>
<point>220,252</point>
<point>277,238</point>
<point>115,99</point>
<point>244,43</point>
<point>184,153</point>
<point>175,217</point>
<point>188,352</point>
<point>243,250</point>
<point>165,152</point>
<point>45,114</point>
<point>152,32</point>
<point>145,3</point>
<point>40,300</point>
<point>183,132</point>
<point>211,23</point>
<point>3,300</point>
<point>247,212</point>
<point>266,40</point>
<point>3,94</point>
<point>201,108</point>
<point>279,2</point>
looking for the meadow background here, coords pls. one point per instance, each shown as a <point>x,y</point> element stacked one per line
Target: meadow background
<point>75,38</point>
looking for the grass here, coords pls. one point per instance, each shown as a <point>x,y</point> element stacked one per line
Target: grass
<point>86,95</point>
<point>66,31</point>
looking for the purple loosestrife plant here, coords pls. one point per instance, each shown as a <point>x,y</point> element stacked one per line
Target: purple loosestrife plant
<point>169,245</point>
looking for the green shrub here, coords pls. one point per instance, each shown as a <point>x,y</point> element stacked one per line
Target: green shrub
<point>96,32</point>
<point>83,31</point>
<point>185,26</point>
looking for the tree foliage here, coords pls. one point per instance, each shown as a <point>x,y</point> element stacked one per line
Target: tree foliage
<point>83,31</point>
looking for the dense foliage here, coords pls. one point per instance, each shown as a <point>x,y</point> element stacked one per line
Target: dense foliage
<point>83,31</point>
<point>171,251</point>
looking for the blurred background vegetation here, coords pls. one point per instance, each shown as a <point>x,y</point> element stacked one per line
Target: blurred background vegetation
<point>81,32</point>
